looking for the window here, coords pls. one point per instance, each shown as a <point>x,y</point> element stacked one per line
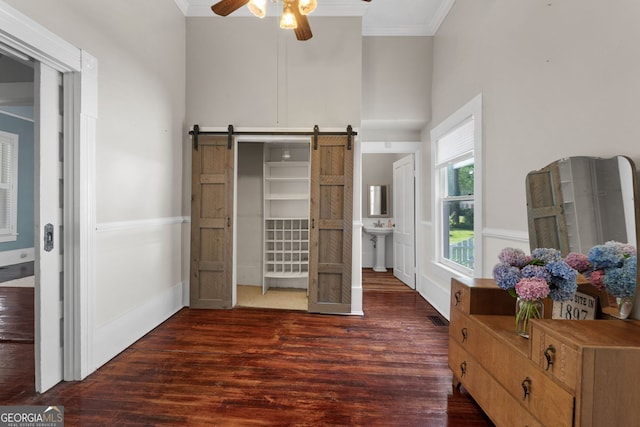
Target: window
<point>457,225</point>
<point>8,186</point>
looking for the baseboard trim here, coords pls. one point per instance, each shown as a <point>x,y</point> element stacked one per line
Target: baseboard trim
<point>113,337</point>
<point>17,256</point>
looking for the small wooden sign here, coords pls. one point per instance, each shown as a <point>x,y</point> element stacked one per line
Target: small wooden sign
<point>581,307</point>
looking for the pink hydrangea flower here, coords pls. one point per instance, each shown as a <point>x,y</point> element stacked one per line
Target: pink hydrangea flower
<point>579,262</point>
<point>531,289</point>
<point>597,278</point>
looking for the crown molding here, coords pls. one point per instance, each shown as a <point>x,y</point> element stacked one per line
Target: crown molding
<point>440,15</point>
<point>202,8</point>
<point>192,8</point>
<point>395,30</point>
<point>183,5</point>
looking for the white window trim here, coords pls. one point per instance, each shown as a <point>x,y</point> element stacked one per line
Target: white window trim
<point>473,109</point>
<point>10,234</point>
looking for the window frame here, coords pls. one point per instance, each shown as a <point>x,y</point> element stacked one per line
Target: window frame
<point>10,233</point>
<point>470,111</point>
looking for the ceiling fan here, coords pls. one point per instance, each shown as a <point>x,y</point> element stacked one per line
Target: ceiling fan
<point>294,13</point>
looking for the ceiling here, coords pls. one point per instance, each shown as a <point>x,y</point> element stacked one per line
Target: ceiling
<point>379,17</point>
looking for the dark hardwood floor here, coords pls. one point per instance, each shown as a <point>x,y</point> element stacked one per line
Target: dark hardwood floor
<point>260,367</point>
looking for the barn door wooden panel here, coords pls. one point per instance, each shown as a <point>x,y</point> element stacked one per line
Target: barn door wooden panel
<point>211,224</point>
<point>331,226</point>
<point>547,226</point>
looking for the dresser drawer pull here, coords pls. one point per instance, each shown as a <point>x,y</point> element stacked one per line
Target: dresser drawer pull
<point>464,334</point>
<point>456,296</point>
<point>548,354</point>
<point>526,386</point>
<point>463,368</point>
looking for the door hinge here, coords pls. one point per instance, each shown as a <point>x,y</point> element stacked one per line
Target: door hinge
<point>349,136</point>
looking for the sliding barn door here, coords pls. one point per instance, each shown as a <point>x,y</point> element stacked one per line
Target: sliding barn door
<point>331,225</point>
<point>211,223</point>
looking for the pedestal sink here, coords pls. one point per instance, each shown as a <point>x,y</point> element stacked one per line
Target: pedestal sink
<point>380,234</point>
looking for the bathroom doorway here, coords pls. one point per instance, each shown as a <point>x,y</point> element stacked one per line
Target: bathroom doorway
<point>378,160</point>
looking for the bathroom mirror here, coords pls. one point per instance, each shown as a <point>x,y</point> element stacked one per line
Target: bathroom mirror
<point>576,203</point>
<point>378,205</point>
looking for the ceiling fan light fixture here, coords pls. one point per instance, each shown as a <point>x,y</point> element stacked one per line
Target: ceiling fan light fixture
<point>258,7</point>
<point>307,6</point>
<point>288,19</point>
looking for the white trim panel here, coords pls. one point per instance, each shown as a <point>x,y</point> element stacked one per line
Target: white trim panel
<point>514,235</point>
<point>116,335</point>
<point>141,223</point>
<point>17,256</point>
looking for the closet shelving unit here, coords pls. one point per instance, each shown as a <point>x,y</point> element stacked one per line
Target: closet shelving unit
<point>286,215</point>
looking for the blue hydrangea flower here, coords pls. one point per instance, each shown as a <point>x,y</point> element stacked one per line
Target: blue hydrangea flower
<point>609,255</point>
<point>546,255</point>
<point>563,280</point>
<point>506,276</point>
<point>535,271</point>
<point>621,282</point>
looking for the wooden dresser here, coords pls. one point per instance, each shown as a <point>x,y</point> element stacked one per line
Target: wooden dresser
<point>569,373</point>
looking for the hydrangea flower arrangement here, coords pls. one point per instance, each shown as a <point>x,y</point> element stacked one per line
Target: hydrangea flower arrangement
<point>533,278</point>
<point>612,266</point>
<point>555,277</point>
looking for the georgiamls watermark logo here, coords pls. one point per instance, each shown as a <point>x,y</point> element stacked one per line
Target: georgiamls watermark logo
<point>31,416</point>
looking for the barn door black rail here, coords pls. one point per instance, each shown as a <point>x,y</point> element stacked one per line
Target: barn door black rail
<point>231,132</point>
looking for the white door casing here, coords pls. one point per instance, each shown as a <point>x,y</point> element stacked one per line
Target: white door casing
<point>404,217</point>
<point>26,36</point>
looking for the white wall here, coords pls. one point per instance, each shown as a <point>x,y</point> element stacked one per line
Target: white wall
<point>396,87</point>
<point>140,48</point>
<point>557,79</point>
<point>248,72</point>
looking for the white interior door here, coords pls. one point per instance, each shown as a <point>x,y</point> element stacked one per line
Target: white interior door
<point>48,215</point>
<point>404,216</point>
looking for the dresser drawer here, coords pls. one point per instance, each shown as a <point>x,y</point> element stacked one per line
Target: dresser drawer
<point>498,404</point>
<point>481,296</point>
<point>459,296</point>
<point>524,380</point>
<point>557,358</point>
<point>459,327</point>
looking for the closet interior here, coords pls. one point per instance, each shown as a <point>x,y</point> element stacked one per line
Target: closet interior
<point>273,216</point>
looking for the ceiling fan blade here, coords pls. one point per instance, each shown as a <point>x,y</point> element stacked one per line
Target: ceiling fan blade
<point>225,7</point>
<point>303,32</point>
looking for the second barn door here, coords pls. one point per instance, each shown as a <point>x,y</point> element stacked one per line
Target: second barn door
<point>212,223</point>
<point>331,216</point>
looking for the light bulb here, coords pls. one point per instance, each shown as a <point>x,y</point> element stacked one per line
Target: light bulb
<point>258,7</point>
<point>307,6</point>
<point>288,19</point>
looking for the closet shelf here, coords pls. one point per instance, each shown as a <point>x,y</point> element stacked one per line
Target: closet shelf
<point>287,197</point>
<point>292,179</point>
<point>286,220</point>
<point>286,164</point>
<point>286,275</point>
